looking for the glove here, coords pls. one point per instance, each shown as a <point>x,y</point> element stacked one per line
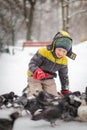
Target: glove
<point>39,74</point>
<point>48,75</point>
<point>64,92</point>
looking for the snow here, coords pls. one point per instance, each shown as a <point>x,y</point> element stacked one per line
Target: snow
<point>13,77</point>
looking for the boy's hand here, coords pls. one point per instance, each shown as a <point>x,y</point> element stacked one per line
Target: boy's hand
<point>64,92</point>
<point>39,74</point>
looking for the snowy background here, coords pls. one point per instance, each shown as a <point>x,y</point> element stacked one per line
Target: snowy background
<point>13,77</point>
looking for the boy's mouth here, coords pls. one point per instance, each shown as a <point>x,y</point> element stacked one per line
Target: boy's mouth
<point>59,56</point>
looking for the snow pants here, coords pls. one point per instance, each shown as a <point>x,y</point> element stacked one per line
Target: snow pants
<point>35,86</point>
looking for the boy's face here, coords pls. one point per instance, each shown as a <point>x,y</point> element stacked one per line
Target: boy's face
<point>60,52</point>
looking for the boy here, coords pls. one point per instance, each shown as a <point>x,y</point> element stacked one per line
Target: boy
<point>48,60</point>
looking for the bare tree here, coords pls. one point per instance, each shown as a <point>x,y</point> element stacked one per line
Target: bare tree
<point>28,14</point>
<point>10,11</point>
<point>67,13</point>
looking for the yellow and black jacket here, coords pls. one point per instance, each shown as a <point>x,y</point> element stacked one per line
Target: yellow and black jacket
<point>46,60</point>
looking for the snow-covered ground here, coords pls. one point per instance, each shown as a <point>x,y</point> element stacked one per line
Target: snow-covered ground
<point>13,77</point>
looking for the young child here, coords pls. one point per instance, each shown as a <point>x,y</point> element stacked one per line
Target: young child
<point>47,61</point>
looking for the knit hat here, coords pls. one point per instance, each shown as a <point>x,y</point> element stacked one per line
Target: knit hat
<point>63,42</point>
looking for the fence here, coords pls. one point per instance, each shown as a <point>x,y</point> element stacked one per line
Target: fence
<point>35,44</point>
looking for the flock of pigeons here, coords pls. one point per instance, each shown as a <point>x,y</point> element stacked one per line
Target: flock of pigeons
<point>71,107</point>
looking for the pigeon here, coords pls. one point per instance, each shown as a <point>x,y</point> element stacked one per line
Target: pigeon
<point>82,111</point>
<point>41,101</point>
<point>8,98</point>
<point>21,101</point>
<point>7,124</point>
<point>50,114</point>
<point>32,106</point>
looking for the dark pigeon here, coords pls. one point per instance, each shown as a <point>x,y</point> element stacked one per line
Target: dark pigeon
<point>7,124</point>
<point>50,114</point>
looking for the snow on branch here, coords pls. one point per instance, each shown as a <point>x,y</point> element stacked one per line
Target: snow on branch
<point>78,12</point>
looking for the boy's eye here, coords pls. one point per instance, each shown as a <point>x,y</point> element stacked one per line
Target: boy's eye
<point>64,51</point>
<point>59,49</point>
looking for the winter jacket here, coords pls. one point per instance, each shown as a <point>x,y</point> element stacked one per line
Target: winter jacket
<point>46,60</point>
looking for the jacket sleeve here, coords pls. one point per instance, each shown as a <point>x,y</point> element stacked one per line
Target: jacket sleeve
<point>63,75</point>
<point>35,62</point>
